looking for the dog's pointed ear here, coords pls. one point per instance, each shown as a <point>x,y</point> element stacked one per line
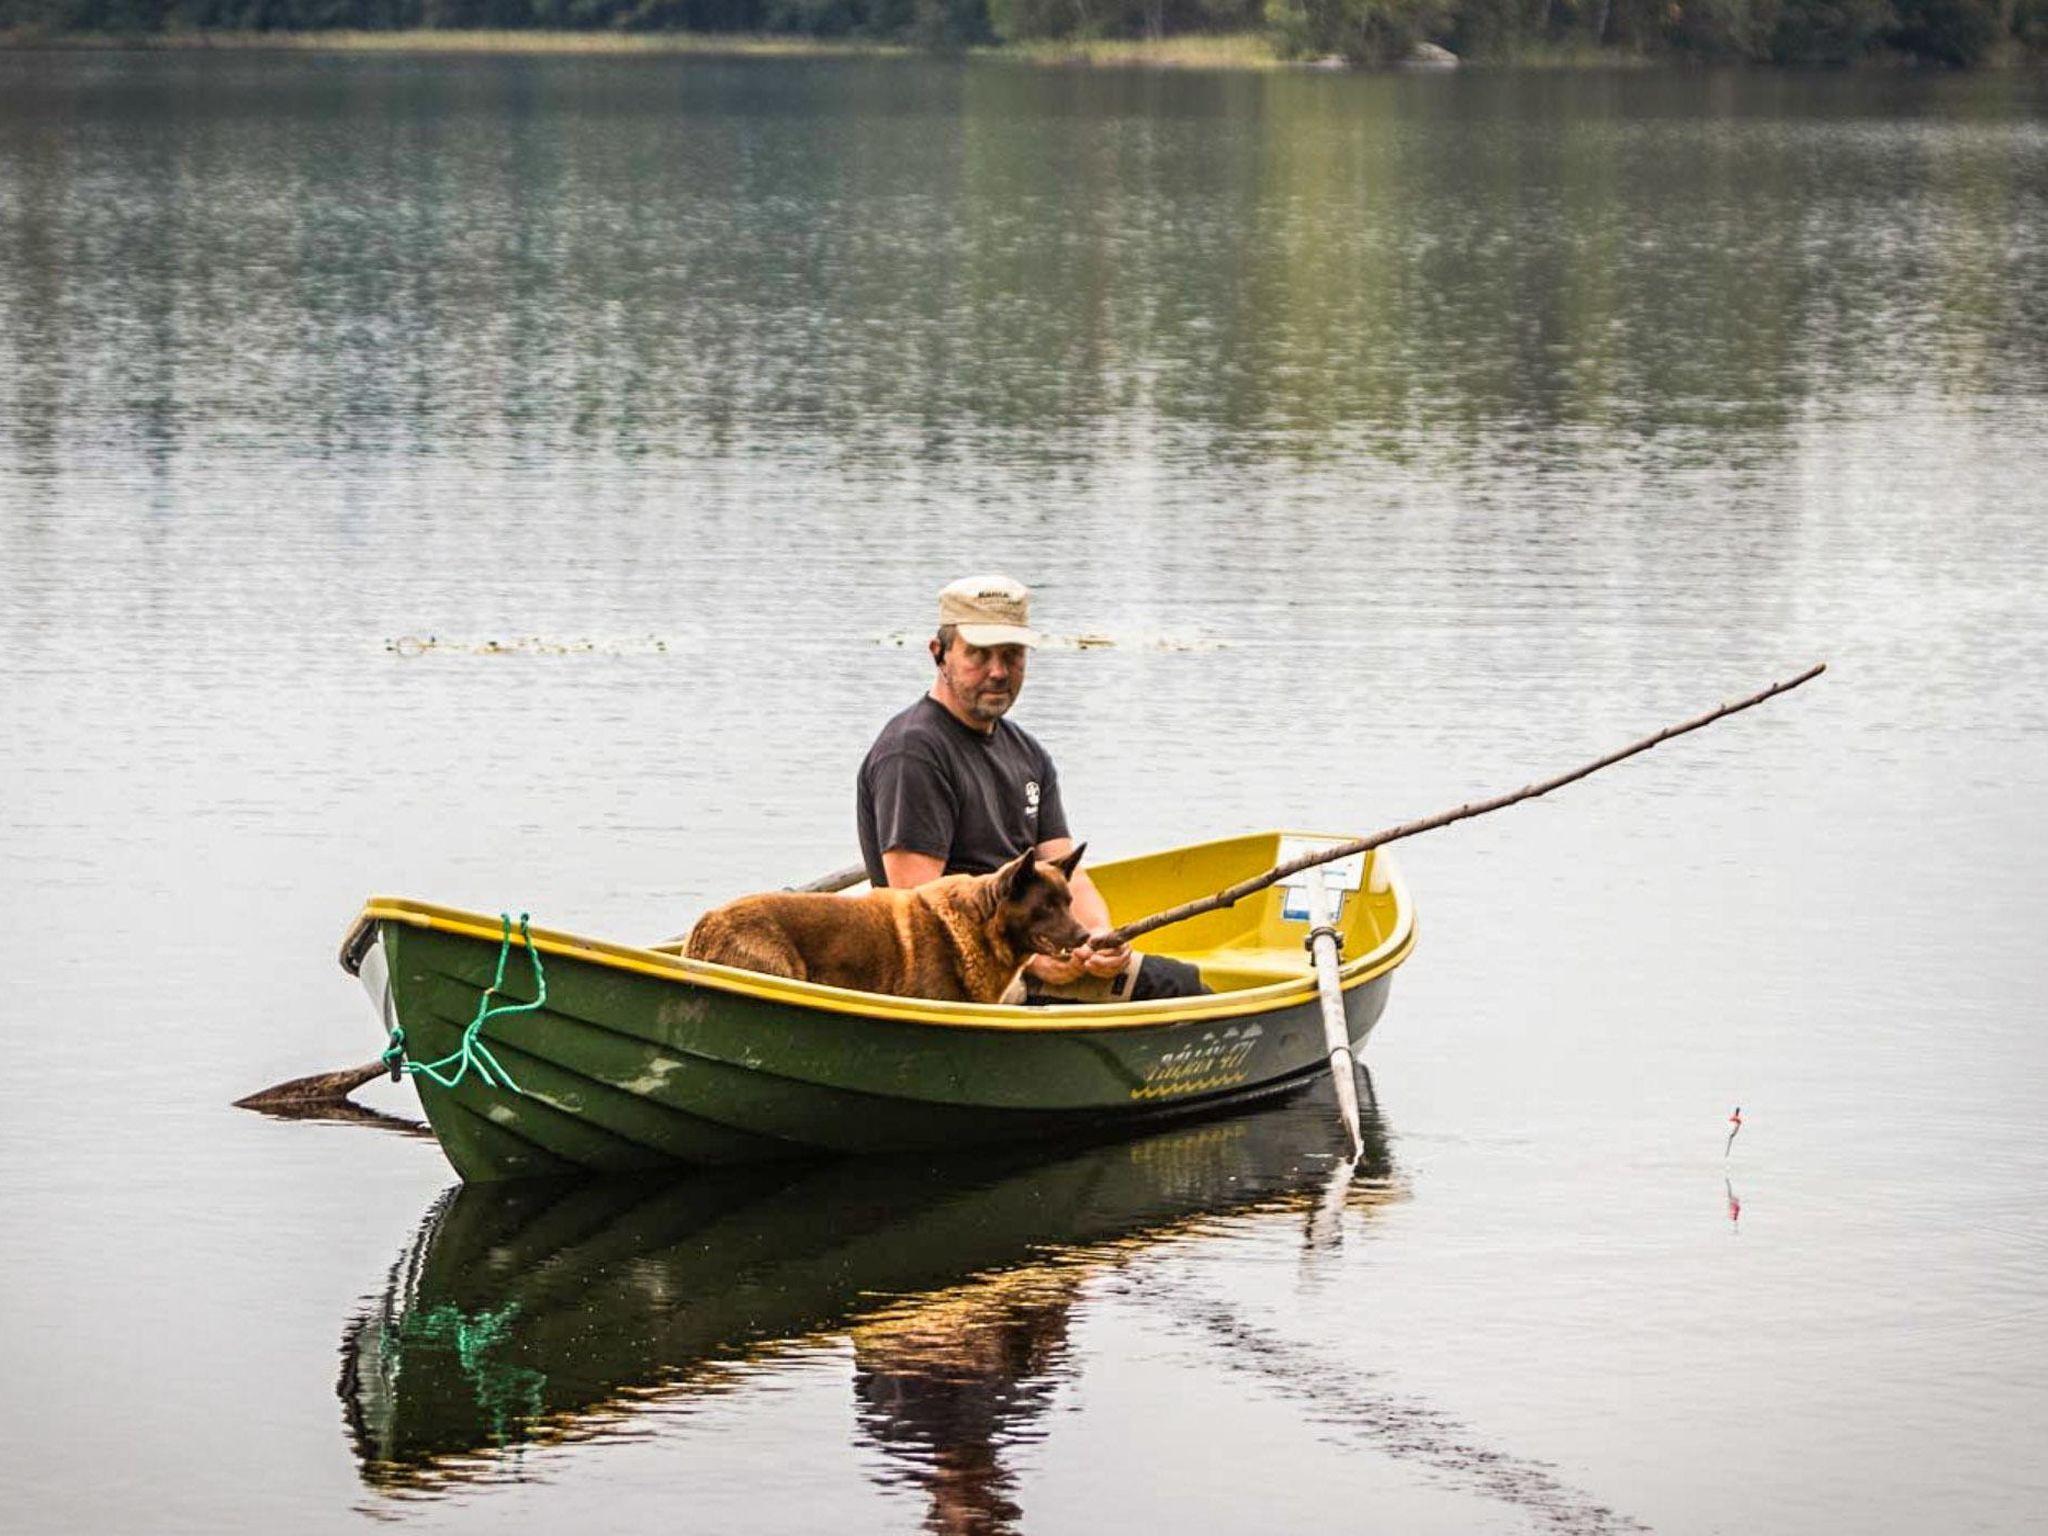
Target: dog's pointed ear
<point>1072,861</point>
<point>1013,877</point>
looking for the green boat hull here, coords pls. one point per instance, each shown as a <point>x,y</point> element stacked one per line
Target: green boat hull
<point>622,1070</point>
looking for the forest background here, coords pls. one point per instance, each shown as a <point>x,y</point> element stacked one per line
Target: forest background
<point>1948,33</point>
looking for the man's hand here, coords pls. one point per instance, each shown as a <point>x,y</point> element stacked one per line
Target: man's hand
<point>1100,959</point>
<point>1093,958</point>
<point>1086,960</point>
<point>1055,971</point>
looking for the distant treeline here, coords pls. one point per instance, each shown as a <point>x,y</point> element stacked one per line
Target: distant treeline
<point>1799,32</point>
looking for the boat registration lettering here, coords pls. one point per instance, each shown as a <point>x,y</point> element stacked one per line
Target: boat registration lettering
<point>1216,1060</point>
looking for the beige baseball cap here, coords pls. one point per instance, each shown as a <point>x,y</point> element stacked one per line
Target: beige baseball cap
<point>989,610</point>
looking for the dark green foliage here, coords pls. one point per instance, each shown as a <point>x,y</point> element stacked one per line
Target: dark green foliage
<point>1016,20</point>
<point>1716,29</point>
<point>1507,29</point>
<point>946,26</point>
<point>1358,31</point>
<point>2030,25</point>
<point>1637,24</point>
<point>1495,29</point>
<point>691,16</point>
<point>1959,32</point>
<point>486,14</point>
<point>1828,31</point>
<point>808,18</point>
<point>1020,19</point>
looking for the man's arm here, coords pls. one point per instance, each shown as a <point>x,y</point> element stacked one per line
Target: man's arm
<point>909,807</point>
<point>906,869</point>
<point>1090,910</point>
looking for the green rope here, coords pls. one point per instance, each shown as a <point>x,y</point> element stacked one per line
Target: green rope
<point>472,1053</point>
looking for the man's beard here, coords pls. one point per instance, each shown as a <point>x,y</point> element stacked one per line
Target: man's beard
<point>991,703</point>
<point>984,703</point>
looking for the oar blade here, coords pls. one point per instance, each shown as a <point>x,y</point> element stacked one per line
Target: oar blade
<point>320,1088</point>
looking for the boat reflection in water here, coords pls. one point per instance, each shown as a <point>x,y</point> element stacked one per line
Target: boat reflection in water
<point>540,1313</point>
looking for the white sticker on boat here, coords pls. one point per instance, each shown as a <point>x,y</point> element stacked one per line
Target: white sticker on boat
<point>1338,877</point>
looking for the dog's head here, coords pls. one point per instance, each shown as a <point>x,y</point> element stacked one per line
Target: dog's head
<point>1033,906</point>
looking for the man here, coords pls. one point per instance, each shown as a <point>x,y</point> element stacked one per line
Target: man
<point>950,787</point>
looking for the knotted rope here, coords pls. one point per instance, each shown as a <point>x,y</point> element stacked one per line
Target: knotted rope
<point>472,1053</point>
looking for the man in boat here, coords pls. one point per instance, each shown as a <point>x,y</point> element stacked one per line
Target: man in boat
<point>951,787</point>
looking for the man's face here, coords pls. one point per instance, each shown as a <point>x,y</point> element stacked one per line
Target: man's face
<point>984,680</point>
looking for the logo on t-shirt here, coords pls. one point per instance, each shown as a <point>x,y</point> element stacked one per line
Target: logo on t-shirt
<point>1031,797</point>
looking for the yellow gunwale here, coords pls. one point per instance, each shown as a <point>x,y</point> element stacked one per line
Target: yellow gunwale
<point>1071,1018</point>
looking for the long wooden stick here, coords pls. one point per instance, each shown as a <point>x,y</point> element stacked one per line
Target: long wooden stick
<point>1236,893</point>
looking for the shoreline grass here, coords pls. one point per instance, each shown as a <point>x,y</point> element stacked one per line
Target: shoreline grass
<point>1227,51</point>
<point>1222,51</point>
<point>1238,51</point>
<point>424,40</point>
<point>1189,50</point>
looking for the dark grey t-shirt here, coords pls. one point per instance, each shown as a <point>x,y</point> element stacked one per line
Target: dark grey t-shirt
<point>934,786</point>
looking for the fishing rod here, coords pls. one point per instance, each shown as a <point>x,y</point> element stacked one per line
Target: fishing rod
<point>1232,895</point>
<point>1323,940</point>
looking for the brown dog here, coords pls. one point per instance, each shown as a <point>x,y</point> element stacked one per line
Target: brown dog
<point>959,939</point>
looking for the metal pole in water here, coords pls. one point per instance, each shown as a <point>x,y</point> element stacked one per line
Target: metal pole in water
<point>1322,947</point>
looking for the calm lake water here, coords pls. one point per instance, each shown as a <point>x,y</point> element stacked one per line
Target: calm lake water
<point>1411,437</point>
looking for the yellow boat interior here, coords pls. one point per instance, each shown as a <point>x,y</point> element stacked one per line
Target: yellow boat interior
<point>1252,954</point>
<point>1253,944</point>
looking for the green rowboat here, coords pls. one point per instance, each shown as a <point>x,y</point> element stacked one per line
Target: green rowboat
<point>613,1058</point>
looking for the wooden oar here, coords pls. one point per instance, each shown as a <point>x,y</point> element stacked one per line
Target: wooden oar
<point>839,880</point>
<point>322,1088</point>
<point>305,1095</point>
<point>1323,942</point>
<point>1325,951</point>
